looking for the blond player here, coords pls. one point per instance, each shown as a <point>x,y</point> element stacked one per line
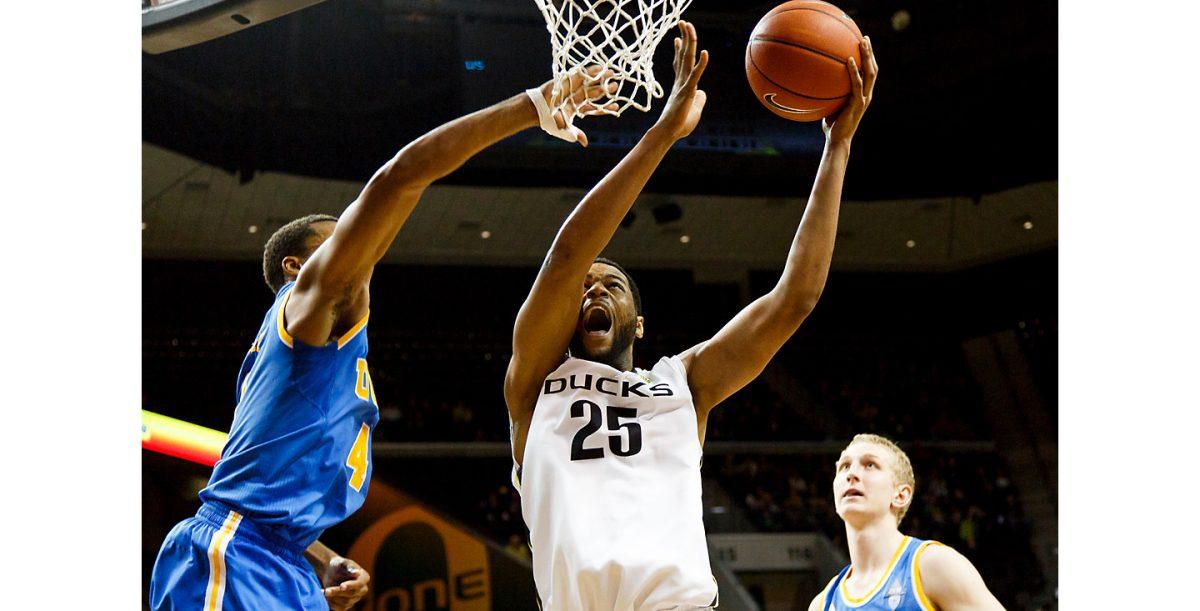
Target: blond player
<point>872,489</point>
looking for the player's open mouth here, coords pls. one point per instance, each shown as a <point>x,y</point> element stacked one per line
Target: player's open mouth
<point>596,321</point>
<point>852,493</point>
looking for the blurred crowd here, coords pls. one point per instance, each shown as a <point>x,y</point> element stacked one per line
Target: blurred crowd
<point>445,385</point>
<point>438,371</point>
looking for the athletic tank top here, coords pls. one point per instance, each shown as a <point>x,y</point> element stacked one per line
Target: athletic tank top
<point>610,490</point>
<point>899,590</point>
<point>298,458</point>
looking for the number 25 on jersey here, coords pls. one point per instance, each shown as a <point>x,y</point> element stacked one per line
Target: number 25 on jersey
<point>596,417</point>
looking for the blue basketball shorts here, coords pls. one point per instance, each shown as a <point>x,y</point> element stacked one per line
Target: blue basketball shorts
<point>218,561</point>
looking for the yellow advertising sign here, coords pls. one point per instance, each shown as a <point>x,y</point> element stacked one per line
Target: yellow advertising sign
<point>419,562</point>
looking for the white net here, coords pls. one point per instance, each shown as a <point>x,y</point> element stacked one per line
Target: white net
<point>619,35</point>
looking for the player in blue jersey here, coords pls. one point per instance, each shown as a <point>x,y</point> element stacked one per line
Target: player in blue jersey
<point>298,458</point>
<point>872,489</point>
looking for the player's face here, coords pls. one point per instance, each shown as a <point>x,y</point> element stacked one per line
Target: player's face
<point>608,320</point>
<point>863,485</point>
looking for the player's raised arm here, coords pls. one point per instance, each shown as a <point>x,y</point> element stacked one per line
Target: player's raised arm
<point>547,319</point>
<point>952,583</point>
<point>738,352</point>
<point>331,285</point>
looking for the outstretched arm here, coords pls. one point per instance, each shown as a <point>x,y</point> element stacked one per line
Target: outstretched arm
<point>547,318</point>
<point>330,291</point>
<point>738,352</point>
<point>951,582</point>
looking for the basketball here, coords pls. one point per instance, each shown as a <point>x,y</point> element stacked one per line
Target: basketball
<point>796,59</point>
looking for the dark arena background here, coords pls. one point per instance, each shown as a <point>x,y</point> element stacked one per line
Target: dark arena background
<point>938,325</point>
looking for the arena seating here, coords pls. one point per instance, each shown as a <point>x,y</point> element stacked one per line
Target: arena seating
<point>438,359</point>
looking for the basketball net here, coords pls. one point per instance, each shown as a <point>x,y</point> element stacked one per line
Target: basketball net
<point>618,35</point>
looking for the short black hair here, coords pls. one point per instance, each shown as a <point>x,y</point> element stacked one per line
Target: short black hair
<point>633,287</point>
<point>291,240</point>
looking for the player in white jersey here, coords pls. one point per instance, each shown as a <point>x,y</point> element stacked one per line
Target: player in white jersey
<point>607,456</point>
<point>872,489</point>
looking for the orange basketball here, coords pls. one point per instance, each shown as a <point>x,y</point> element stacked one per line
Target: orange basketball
<point>796,59</point>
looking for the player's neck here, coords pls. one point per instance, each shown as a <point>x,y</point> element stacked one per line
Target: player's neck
<point>624,362</point>
<point>621,362</point>
<point>873,545</point>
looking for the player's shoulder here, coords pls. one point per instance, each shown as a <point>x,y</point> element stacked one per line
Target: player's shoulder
<point>669,360</point>
<point>686,357</point>
<point>818,601</point>
<point>678,363</point>
<point>668,368</point>
<point>942,570</point>
<point>284,290</point>
<point>933,556</point>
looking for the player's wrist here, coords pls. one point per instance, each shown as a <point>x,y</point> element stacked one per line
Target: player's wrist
<point>523,107</point>
<point>318,554</point>
<point>663,132</point>
<point>838,145</point>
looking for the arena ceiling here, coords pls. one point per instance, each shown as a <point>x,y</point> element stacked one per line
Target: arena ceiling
<point>193,210</point>
<point>966,104</point>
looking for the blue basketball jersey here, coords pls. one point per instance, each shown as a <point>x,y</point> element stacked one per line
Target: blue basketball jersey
<point>298,458</point>
<point>899,590</point>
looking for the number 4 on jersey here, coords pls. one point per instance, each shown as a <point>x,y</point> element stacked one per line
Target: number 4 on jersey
<point>360,454</point>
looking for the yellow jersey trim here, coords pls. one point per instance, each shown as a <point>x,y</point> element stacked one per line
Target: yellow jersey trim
<point>287,337</point>
<point>918,587</point>
<point>850,600</point>
<point>349,335</point>
<point>283,333</point>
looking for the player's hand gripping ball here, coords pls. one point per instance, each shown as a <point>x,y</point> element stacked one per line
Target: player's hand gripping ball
<point>798,57</point>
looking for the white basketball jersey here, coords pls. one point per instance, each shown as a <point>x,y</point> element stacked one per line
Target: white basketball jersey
<point>610,490</point>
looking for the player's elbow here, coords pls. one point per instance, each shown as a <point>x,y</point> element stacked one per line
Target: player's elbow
<point>562,258</point>
<point>808,302</point>
<point>558,254</point>
<point>797,305</point>
<point>402,174</point>
<point>799,295</point>
<point>411,167</point>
